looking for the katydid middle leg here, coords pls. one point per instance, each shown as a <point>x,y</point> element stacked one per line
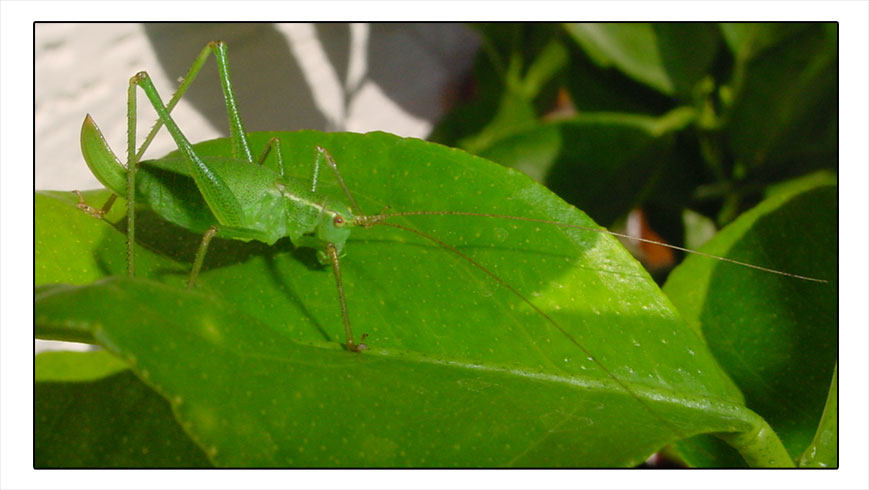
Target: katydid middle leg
<point>273,145</point>
<point>200,255</point>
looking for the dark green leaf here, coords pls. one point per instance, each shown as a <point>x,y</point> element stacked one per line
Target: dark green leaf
<point>595,89</point>
<point>90,411</point>
<point>748,39</point>
<point>775,335</point>
<point>602,163</point>
<point>687,51</point>
<point>514,80</point>
<point>632,48</point>
<point>784,111</point>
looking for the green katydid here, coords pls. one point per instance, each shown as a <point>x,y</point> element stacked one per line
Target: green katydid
<point>251,197</point>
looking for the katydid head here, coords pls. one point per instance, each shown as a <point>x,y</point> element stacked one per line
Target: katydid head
<point>335,224</point>
<point>333,229</point>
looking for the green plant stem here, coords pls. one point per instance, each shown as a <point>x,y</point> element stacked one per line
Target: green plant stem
<point>761,448</point>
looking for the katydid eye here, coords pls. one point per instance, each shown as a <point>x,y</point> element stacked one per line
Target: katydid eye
<point>338,221</point>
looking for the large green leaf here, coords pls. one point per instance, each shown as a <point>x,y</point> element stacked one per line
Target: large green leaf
<point>747,39</point>
<point>460,371</point>
<point>593,88</point>
<point>90,411</point>
<point>776,336</point>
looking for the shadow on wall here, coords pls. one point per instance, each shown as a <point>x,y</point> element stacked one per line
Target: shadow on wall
<point>272,93</point>
<point>415,65</point>
<point>421,66</point>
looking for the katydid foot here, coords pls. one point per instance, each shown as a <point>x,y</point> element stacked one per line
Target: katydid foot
<point>354,347</point>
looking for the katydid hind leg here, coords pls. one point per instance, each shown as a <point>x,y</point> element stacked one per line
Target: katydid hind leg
<point>238,136</point>
<point>131,125</point>
<point>132,168</point>
<point>179,92</point>
<point>110,172</point>
<point>315,177</point>
<point>217,194</point>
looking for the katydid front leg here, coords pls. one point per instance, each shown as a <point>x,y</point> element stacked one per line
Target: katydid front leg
<point>332,252</point>
<point>322,154</point>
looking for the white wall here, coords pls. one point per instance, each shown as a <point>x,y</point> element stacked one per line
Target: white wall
<point>356,77</point>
